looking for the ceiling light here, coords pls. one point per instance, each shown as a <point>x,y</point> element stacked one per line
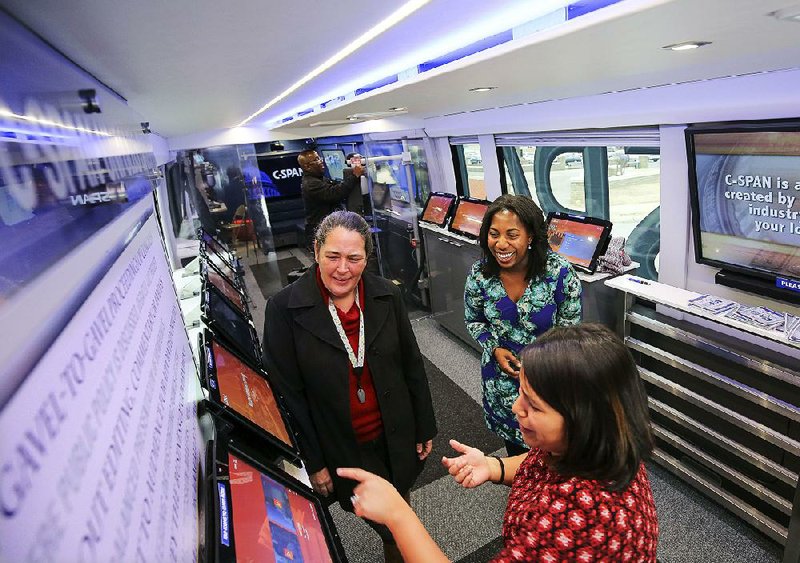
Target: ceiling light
<point>393,19</point>
<point>686,45</point>
<point>353,118</point>
<point>50,123</point>
<point>483,88</point>
<point>398,109</point>
<point>791,14</point>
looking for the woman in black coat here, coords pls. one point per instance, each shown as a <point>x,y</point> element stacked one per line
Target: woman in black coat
<point>355,401</point>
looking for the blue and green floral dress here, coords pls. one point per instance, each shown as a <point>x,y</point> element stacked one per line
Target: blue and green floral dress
<point>494,320</point>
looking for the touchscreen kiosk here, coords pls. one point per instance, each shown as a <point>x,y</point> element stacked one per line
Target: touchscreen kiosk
<point>468,216</point>
<point>437,210</point>
<point>229,324</point>
<point>262,514</point>
<point>212,275</point>
<point>581,240</point>
<point>243,395</point>
<point>213,243</point>
<point>227,269</point>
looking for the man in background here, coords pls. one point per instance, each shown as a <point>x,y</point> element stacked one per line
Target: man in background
<point>321,195</point>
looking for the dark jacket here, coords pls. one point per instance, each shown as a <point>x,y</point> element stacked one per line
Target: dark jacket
<point>322,196</point>
<point>310,367</point>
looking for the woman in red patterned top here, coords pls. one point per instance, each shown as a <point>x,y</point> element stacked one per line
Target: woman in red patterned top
<point>582,493</point>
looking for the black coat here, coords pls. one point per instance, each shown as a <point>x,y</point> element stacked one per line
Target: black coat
<point>309,364</point>
<point>322,196</point>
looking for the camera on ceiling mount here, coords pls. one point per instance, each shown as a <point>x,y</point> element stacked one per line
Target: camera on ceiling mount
<point>145,127</point>
<point>88,98</point>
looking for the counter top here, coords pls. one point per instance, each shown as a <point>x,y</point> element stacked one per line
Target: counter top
<point>678,299</point>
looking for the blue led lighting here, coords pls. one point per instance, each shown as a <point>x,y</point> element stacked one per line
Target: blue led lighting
<point>467,50</point>
<point>377,84</point>
<point>582,7</point>
<point>305,112</point>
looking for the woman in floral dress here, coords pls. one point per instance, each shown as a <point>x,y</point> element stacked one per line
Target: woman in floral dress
<point>515,293</point>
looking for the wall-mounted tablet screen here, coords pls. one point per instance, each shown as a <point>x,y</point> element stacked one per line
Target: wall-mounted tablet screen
<point>263,515</point>
<point>581,240</point>
<point>468,216</point>
<point>219,262</point>
<point>245,392</point>
<point>438,209</point>
<point>215,245</point>
<point>224,285</point>
<point>229,324</point>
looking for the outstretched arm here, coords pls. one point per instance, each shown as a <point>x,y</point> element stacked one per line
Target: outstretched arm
<point>376,499</point>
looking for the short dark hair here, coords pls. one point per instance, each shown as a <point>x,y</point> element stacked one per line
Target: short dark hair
<point>586,373</point>
<point>347,220</point>
<point>532,217</point>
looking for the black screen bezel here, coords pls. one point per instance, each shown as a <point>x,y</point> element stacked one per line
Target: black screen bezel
<point>207,283</point>
<point>223,444</point>
<point>461,199</point>
<point>602,243</point>
<point>227,256</point>
<point>291,452</point>
<point>765,126</point>
<point>251,350</point>
<point>450,209</point>
<point>207,253</point>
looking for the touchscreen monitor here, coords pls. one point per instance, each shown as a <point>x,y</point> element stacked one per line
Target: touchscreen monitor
<point>244,394</point>
<point>262,514</point>
<point>438,209</point>
<point>211,275</point>
<point>219,263</point>
<point>581,240</point>
<point>229,324</point>
<point>468,216</point>
<point>216,246</point>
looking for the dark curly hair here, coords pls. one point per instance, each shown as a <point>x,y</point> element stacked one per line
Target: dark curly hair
<point>532,217</point>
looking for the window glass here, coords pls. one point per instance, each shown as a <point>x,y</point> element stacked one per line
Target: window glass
<point>476,186</point>
<point>618,183</point>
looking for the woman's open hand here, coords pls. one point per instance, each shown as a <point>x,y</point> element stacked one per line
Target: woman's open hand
<point>470,469</point>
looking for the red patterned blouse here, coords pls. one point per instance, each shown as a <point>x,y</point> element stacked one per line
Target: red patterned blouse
<point>552,518</point>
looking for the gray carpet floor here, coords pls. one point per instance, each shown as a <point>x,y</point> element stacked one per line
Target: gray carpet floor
<point>467,524</point>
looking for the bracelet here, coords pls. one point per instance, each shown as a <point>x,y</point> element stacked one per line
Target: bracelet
<point>502,470</point>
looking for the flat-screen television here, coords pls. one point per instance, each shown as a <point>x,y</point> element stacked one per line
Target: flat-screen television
<point>229,324</point>
<point>262,514</point>
<point>210,274</point>
<point>280,175</point>
<point>581,240</point>
<point>744,181</point>
<point>468,216</point>
<point>243,394</point>
<point>438,209</point>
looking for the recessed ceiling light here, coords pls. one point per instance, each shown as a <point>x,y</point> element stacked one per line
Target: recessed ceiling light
<point>791,14</point>
<point>483,88</point>
<point>352,118</point>
<point>686,45</point>
<point>398,109</point>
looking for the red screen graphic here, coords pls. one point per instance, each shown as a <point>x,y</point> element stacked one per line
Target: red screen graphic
<point>574,240</point>
<point>247,393</point>
<point>468,217</point>
<point>227,289</point>
<point>437,209</point>
<point>272,522</point>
